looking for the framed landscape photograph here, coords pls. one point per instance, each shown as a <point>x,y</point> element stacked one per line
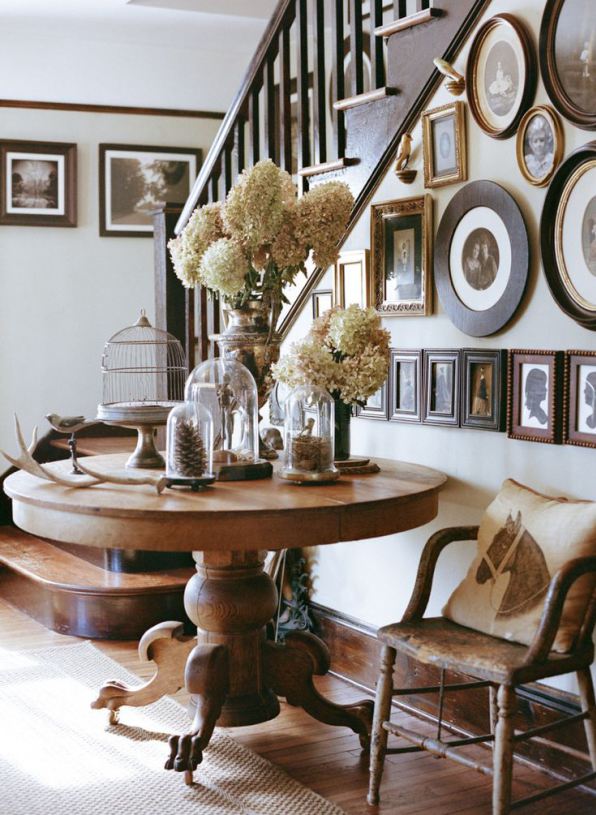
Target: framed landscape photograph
<point>579,423</point>
<point>352,284</point>
<point>482,257</point>
<point>400,240</point>
<point>501,75</point>
<point>441,387</point>
<point>322,301</point>
<point>38,183</point>
<point>568,235</point>
<point>444,145</point>
<point>405,386</point>
<point>539,145</point>
<point>535,395</point>
<point>376,405</point>
<point>134,181</point>
<point>568,59</point>
<point>483,389</point>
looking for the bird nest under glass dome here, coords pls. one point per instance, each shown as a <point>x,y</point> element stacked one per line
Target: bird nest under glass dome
<point>143,373</point>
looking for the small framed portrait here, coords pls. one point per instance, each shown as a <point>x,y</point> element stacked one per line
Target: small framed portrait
<point>441,387</point>
<point>501,75</point>
<point>322,301</point>
<point>444,145</point>
<point>539,145</point>
<point>568,59</point>
<point>38,183</point>
<point>579,421</point>
<point>376,405</point>
<point>483,389</point>
<point>134,181</point>
<point>400,240</point>
<point>481,258</point>
<point>568,235</point>
<point>352,284</point>
<point>535,395</point>
<point>405,386</point>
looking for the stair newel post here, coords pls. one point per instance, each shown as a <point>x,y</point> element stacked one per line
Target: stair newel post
<point>319,84</point>
<point>254,126</point>
<point>339,89</point>
<point>285,115</point>
<point>376,45</point>
<point>356,48</point>
<point>270,125</point>
<point>239,147</point>
<point>303,144</point>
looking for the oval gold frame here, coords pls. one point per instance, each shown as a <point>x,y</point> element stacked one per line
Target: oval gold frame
<point>551,115</point>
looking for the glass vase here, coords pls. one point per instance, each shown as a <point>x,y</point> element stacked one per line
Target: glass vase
<point>343,414</point>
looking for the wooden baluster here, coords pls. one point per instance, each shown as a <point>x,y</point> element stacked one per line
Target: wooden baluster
<point>202,325</point>
<point>422,4</point>
<point>377,66</point>
<point>270,129</point>
<point>339,88</point>
<point>285,113</point>
<point>227,168</point>
<point>221,180</point>
<point>239,148</point>
<point>254,126</point>
<point>214,185</point>
<point>356,48</point>
<point>303,146</point>
<point>319,84</point>
<point>399,9</point>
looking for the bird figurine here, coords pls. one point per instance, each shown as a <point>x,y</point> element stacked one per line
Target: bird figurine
<point>71,425</point>
<point>308,428</point>
<point>402,158</point>
<point>456,84</point>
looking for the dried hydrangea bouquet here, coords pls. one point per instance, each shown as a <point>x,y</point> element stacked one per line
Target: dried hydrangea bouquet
<point>346,353</point>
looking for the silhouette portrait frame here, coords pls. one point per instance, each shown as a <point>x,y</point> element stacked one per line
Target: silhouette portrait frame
<point>445,125</point>
<point>579,422</point>
<point>535,395</point>
<point>441,387</point>
<point>405,386</point>
<point>483,389</point>
<point>401,233</point>
<point>38,183</point>
<point>501,75</point>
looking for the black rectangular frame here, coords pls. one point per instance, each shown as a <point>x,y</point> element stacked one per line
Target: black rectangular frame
<point>405,355</point>
<point>496,421</point>
<point>429,357</point>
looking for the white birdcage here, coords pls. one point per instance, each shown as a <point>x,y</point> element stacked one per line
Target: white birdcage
<point>143,372</point>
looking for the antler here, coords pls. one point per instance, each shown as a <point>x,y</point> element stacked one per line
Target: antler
<point>25,461</point>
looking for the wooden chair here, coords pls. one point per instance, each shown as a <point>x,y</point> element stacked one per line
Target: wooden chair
<point>499,664</point>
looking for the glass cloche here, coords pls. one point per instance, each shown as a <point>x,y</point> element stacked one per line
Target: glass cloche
<point>309,427</point>
<point>189,445</point>
<point>229,392</point>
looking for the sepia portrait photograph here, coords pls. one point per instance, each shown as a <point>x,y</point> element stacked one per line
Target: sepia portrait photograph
<point>441,398</point>
<point>539,145</point>
<point>501,78</point>
<point>441,387</point>
<point>38,183</point>
<point>403,280</point>
<point>589,235</point>
<point>483,389</point>
<point>575,52</point>
<point>444,145</point>
<point>136,181</point>
<point>480,259</point>
<point>405,381</point>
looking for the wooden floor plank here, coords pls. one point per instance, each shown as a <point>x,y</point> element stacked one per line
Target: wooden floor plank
<point>328,759</point>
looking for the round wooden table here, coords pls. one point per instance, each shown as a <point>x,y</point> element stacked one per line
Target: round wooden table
<point>233,674</point>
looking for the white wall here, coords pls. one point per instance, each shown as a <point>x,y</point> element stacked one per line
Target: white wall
<point>372,580</point>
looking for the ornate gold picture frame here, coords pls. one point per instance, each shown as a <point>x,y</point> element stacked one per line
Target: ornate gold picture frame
<point>401,256</point>
<point>444,145</point>
<point>540,144</point>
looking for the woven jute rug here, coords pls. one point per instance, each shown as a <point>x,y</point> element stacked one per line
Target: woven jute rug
<point>59,757</point>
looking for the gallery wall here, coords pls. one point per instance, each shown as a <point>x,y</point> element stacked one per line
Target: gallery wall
<point>372,580</point>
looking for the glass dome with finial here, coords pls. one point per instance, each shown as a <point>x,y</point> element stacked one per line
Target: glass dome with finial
<point>309,426</point>
<point>228,390</point>
<point>189,444</point>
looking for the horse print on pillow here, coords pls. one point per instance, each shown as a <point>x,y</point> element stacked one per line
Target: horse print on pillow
<point>513,550</point>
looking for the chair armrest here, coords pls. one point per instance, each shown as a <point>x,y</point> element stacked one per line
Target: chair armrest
<point>426,568</point>
<point>553,608</point>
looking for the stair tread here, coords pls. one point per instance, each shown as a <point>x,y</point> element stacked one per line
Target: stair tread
<point>45,563</point>
<point>408,21</point>
<point>327,166</point>
<point>363,98</point>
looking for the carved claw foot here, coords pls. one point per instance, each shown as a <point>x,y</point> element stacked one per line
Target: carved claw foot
<point>207,676</point>
<point>162,644</point>
<point>289,669</point>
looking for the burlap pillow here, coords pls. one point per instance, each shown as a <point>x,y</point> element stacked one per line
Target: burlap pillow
<point>524,538</point>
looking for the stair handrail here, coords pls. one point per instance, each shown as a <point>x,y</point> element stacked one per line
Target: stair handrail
<point>235,110</point>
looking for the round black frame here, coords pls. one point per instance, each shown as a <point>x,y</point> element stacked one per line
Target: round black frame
<point>548,237</point>
<point>491,195</point>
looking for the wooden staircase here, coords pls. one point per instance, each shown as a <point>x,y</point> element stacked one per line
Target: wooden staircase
<point>331,89</point>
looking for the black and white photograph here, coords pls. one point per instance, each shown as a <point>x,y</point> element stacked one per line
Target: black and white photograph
<point>405,385</point>
<point>501,78</point>
<point>483,389</point>
<point>400,243</point>
<point>444,145</point>
<point>575,51</point>
<point>441,387</point>
<point>539,145</point>
<point>535,395</point>
<point>135,181</point>
<point>589,235</point>
<point>38,182</point>
<point>480,259</point>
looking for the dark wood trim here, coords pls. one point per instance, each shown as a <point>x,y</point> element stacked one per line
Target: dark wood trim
<point>410,21</point>
<point>355,657</point>
<point>363,98</point>
<point>114,109</point>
